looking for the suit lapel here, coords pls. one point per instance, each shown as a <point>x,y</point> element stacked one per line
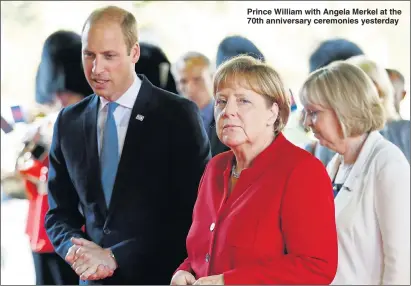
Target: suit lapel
<point>94,188</point>
<point>344,196</point>
<point>134,137</point>
<point>355,180</point>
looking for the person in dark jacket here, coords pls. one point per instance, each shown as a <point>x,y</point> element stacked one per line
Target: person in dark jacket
<point>154,64</point>
<point>194,77</point>
<point>131,172</point>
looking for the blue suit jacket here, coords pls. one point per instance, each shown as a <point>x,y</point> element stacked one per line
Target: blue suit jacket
<point>162,161</point>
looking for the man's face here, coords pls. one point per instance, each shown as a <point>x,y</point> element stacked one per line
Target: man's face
<point>108,64</point>
<point>194,81</point>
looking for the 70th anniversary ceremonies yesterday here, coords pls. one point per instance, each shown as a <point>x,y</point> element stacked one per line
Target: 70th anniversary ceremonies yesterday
<point>325,12</point>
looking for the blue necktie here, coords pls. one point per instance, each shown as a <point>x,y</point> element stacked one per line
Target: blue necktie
<point>109,156</point>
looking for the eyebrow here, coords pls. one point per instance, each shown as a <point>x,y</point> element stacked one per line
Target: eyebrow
<point>105,52</point>
<point>235,94</point>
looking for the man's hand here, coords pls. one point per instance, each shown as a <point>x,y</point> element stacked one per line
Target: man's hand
<point>182,278</point>
<point>71,254</point>
<point>211,280</point>
<point>90,262</point>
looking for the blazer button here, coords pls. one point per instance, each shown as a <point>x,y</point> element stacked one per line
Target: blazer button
<point>212,226</point>
<point>207,257</point>
<point>106,231</point>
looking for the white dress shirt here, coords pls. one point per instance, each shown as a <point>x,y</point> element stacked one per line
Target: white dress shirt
<point>373,216</point>
<point>121,114</point>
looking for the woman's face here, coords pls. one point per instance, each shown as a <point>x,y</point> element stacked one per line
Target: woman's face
<point>324,124</point>
<point>243,116</point>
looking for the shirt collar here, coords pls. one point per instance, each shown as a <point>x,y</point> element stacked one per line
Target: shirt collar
<point>128,98</point>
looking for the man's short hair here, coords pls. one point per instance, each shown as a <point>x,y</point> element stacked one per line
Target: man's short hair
<point>126,20</point>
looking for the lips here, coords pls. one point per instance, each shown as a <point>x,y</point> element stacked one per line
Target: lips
<point>100,81</point>
<point>230,127</point>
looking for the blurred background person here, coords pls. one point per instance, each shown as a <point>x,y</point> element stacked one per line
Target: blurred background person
<point>264,212</point>
<point>395,130</point>
<point>398,82</point>
<point>232,46</point>
<point>154,64</point>
<point>370,175</point>
<point>327,52</point>
<point>60,82</point>
<point>194,76</point>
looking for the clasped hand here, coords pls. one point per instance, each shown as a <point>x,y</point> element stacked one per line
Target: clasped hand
<point>182,277</point>
<point>89,260</point>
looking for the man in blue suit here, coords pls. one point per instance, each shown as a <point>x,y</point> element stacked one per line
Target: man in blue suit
<point>125,163</point>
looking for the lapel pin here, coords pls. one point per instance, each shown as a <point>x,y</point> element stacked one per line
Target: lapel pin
<point>140,117</point>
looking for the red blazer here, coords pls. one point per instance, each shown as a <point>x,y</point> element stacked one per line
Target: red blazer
<point>277,226</point>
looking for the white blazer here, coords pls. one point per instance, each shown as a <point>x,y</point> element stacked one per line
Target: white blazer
<point>373,216</point>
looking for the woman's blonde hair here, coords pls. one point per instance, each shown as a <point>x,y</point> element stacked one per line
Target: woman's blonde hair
<point>258,77</point>
<point>382,81</point>
<point>347,90</point>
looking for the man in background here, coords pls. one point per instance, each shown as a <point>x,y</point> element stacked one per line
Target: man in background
<point>398,82</point>
<point>194,77</point>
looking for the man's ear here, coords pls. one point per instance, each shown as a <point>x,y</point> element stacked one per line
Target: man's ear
<point>135,53</point>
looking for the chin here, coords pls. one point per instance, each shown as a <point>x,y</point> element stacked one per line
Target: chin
<point>327,144</point>
<point>232,142</point>
<point>102,93</point>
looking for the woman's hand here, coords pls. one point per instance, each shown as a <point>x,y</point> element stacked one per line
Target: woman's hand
<point>183,278</point>
<point>211,280</point>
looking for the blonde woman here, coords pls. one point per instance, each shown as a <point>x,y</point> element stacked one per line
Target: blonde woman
<point>395,129</point>
<point>370,175</point>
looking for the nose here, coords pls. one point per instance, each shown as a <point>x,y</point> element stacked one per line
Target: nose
<point>307,122</point>
<point>230,108</point>
<point>97,66</point>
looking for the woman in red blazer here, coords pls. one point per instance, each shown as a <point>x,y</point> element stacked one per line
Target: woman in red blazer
<point>265,210</point>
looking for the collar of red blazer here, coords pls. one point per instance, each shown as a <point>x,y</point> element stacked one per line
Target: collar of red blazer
<point>262,161</point>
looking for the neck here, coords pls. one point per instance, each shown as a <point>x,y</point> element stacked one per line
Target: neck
<point>245,154</point>
<point>117,95</point>
<point>352,148</point>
